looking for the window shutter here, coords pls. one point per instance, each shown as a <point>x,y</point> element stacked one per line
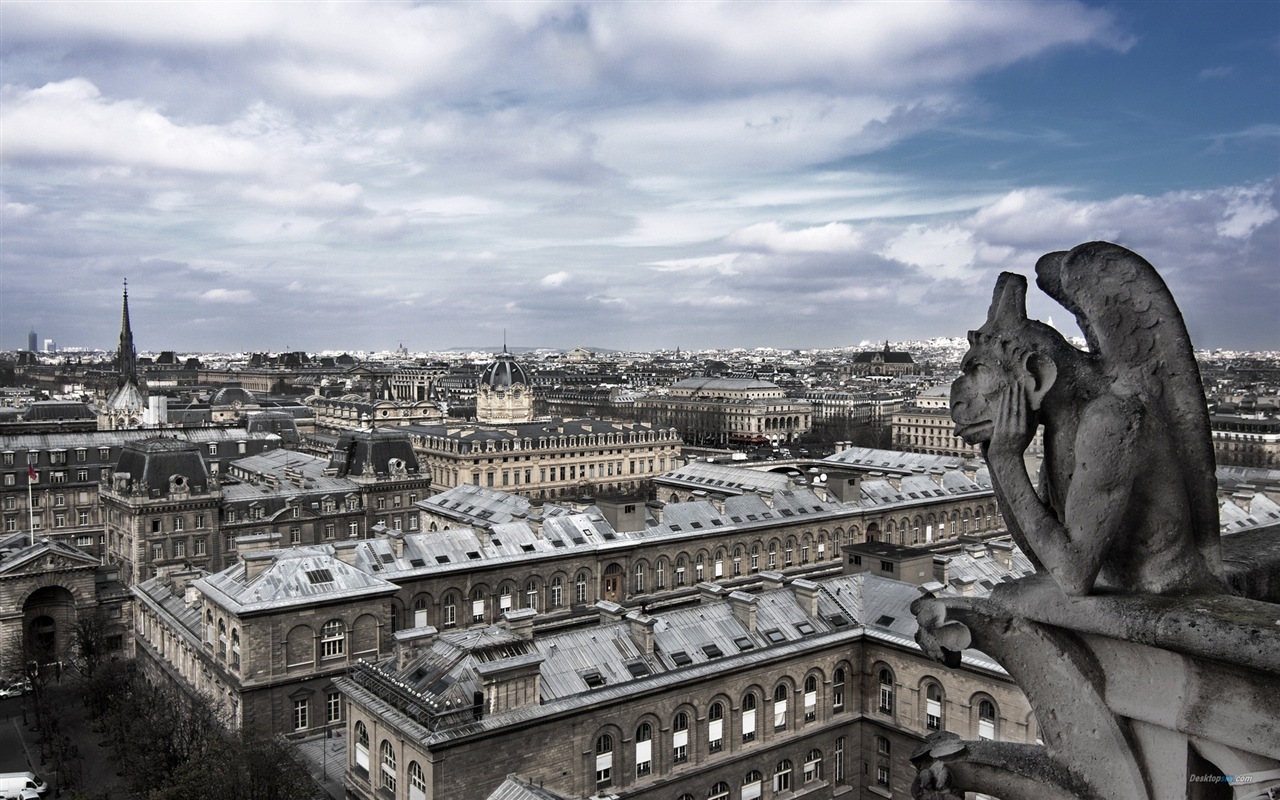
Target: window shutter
<point>749,721</point>
<point>715,730</point>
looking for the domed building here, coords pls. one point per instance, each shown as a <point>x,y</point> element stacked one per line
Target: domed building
<point>503,394</point>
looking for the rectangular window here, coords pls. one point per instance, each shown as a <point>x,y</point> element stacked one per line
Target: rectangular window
<point>104,453</point>
<point>199,520</point>
<point>838,768</point>
<point>179,548</point>
<point>179,523</point>
<point>300,715</point>
<point>680,746</point>
<point>198,547</point>
<point>333,707</point>
<point>82,476</point>
<point>328,531</point>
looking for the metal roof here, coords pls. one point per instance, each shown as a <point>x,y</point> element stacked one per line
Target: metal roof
<point>301,576</point>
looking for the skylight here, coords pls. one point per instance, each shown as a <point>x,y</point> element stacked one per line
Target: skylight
<point>323,575</point>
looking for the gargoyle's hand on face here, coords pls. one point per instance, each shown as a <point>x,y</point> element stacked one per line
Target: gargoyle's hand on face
<point>1013,427</point>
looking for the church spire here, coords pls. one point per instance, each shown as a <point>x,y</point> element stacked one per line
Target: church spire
<point>127,357</point>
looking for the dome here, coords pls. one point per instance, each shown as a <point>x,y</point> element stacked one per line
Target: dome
<point>230,396</point>
<point>504,372</point>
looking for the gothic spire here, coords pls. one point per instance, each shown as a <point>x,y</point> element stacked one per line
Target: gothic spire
<point>127,357</point>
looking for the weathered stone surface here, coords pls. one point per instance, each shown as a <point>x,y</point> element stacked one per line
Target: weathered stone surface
<point>1127,495</point>
<point>1148,679</point>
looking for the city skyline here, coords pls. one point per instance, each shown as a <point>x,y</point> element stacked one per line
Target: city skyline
<point>626,176</point>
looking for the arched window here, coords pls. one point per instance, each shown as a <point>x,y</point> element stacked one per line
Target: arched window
<point>235,649</point>
<point>222,639</point>
<point>362,747</point>
<point>782,777</point>
<point>639,581</point>
<point>933,707</point>
<point>580,588</point>
<point>531,594</point>
<point>886,691</point>
<point>780,694</point>
<point>388,767</point>
<point>715,728</point>
<point>504,598</point>
<point>660,574</point>
<point>810,698</point>
<point>986,719</point>
<point>680,738</point>
<point>749,717</point>
<point>332,640</point>
<point>679,570</point>
<point>813,765</point>
<point>604,760</point>
<point>837,690</point>
<point>752,785</point>
<point>417,782</point>
<point>644,750</point>
<point>450,610</point>
<point>420,612</point>
<point>720,791</point>
<point>557,592</point>
<point>477,604</point>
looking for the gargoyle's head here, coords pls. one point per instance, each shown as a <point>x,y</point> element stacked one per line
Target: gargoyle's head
<point>1009,350</point>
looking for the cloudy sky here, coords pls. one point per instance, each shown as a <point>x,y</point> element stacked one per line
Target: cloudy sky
<point>278,175</point>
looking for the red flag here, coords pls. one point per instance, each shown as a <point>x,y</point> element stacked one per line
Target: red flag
<point>31,474</point>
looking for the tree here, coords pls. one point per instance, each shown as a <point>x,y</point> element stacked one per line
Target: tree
<point>243,766</point>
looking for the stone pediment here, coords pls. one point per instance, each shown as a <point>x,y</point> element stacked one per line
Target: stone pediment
<point>43,557</point>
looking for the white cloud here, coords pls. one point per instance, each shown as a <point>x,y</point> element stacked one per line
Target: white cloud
<point>1247,210</point>
<point>233,296</point>
<point>324,194</point>
<point>555,279</point>
<point>70,120</point>
<point>946,252</point>
<point>834,237</point>
<point>722,263</point>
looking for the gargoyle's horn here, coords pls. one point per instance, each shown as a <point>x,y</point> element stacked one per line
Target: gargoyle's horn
<point>1008,303</point>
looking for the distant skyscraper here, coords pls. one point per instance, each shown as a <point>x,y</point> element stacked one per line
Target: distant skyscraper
<point>50,346</point>
<point>31,340</point>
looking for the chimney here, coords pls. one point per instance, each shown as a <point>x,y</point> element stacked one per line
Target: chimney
<point>964,586</point>
<point>411,643</point>
<point>937,473</point>
<point>346,552</point>
<point>1002,552</point>
<point>970,469</point>
<point>717,501</point>
<point>807,595</point>
<point>942,569</point>
<point>609,611</point>
<point>257,542</point>
<point>1244,500</point>
<point>396,540</point>
<point>642,631</point>
<point>520,622</point>
<point>896,482</point>
<point>256,563</point>
<point>535,525</point>
<point>743,606</point>
<point>772,580</point>
<point>709,592</point>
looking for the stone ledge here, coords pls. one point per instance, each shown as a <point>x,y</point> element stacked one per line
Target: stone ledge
<point>1225,628</point>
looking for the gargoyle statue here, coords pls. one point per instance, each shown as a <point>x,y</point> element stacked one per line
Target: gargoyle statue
<point>1127,492</point>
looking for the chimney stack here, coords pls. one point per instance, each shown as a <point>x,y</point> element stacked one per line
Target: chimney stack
<point>743,606</point>
<point>411,643</point>
<point>807,594</point>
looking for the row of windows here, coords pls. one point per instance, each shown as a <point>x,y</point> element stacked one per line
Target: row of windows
<point>934,711</point>
<point>753,721</point>
<point>56,457</point>
<point>782,778</point>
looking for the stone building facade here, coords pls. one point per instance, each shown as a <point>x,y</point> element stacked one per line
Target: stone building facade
<point>548,459</point>
<point>810,688</point>
<point>70,468</point>
<point>727,410</point>
<point>49,590</point>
